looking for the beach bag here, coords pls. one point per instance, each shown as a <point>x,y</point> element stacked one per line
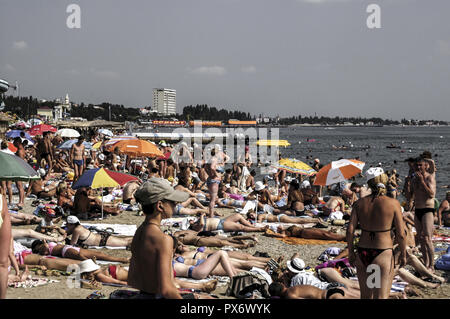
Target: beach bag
<point>245,283</point>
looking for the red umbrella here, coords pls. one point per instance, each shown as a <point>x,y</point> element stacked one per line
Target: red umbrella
<point>40,129</point>
<point>11,147</point>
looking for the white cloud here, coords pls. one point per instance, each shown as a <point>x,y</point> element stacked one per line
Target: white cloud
<point>209,70</point>
<point>443,47</point>
<point>20,45</point>
<point>105,74</point>
<point>248,69</point>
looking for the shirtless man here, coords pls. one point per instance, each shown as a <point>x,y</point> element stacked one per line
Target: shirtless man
<point>151,260</point>
<point>282,218</point>
<point>190,237</point>
<point>424,190</point>
<point>78,158</point>
<point>304,292</point>
<point>129,190</point>
<point>307,233</point>
<point>377,215</point>
<point>213,181</point>
<point>38,187</point>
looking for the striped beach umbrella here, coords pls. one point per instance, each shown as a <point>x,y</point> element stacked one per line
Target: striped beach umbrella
<point>338,171</point>
<point>102,177</point>
<point>295,166</point>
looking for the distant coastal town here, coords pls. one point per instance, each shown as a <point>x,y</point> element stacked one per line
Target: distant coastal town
<point>163,113</point>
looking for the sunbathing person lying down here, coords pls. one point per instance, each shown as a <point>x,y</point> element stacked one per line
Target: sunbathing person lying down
<point>84,237</point>
<point>235,222</point>
<point>72,252</point>
<point>307,233</point>
<point>190,237</point>
<point>116,274</point>
<point>282,218</point>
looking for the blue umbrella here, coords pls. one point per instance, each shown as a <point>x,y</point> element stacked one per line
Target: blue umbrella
<point>16,133</point>
<point>67,145</point>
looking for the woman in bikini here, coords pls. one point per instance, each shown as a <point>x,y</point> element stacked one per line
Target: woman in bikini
<point>82,236</point>
<point>376,214</point>
<point>235,222</point>
<point>283,218</point>
<point>72,252</point>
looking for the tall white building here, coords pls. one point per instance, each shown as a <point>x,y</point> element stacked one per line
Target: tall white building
<point>165,101</point>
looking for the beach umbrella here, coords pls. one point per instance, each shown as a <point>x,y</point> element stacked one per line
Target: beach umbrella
<point>67,145</point>
<point>21,124</point>
<point>97,145</point>
<point>295,166</point>
<point>105,132</point>
<point>68,132</point>
<point>136,147</point>
<point>16,133</point>
<point>40,129</point>
<point>33,122</point>
<point>12,148</point>
<point>283,143</point>
<point>13,168</point>
<point>102,177</point>
<point>338,171</point>
<point>116,139</point>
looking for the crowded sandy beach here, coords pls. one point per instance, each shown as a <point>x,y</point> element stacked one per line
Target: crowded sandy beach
<point>107,215</point>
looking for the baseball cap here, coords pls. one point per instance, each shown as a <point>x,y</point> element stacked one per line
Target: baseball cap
<point>296,265</point>
<point>73,220</point>
<point>156,189</point>
<point>373,172</point>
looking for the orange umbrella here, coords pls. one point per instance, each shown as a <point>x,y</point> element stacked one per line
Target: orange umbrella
<point>138,148</point>
<point>11,147</point>
<point>338,171</point>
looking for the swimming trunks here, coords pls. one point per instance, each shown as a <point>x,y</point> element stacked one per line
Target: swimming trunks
<point>420,212</point>
<point>104,238</point>
<point>113,271</point>
<point>178,209</point>
<point>220,225</point>
<point>78,162</point>
<point>279,217</point>
<point>211,181</point>
<point>66,247</point>
<point>191,269</point>
<point>332,291</point>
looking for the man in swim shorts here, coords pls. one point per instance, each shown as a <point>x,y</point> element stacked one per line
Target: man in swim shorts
<point>78,158</point>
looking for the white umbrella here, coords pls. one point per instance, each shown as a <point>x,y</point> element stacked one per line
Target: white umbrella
<point>105,132</point>
<point>68,132</point>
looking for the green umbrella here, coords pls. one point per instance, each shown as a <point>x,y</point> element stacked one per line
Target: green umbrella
<point>13,168</point>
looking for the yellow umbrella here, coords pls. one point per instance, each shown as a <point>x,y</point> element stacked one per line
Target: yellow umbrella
<point>97,145</point>
<point>284,143</point>
<point>295,166</point>
<point>138,148</point>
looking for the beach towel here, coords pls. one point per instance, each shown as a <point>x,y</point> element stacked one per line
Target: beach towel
<point>31,282</point>
<point>120,229</point>
<point>441,238</point>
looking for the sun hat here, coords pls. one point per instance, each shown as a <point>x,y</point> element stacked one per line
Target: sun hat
<point>42,172</point>
<point>373,172</point>
<point>88,265</point>
<point>296,265</point>
<point>156,189</point>
<point>259,186</point>
<point>73,220</point>
<point>305,184</point>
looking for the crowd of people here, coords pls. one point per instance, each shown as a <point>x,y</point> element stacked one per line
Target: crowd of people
<point>376,228</point>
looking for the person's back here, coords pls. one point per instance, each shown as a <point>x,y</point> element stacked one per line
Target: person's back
<point>376,217</point>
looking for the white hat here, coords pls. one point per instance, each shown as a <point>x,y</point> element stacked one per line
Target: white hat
<point>42,172</point>
<point>296,265</point>
<point>88,265</point>
<point>73,220</point>
<point>259,186</point>
<point>288,179</point>
<point>227,185</point>
<point>373,172</point>
<point>305,184</point>
<point>101,156</point>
